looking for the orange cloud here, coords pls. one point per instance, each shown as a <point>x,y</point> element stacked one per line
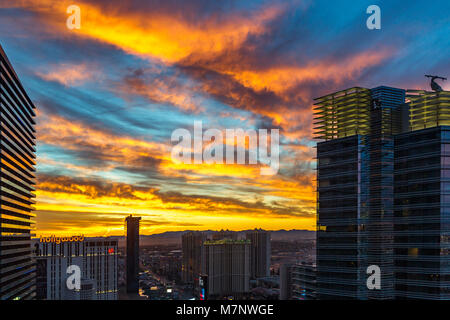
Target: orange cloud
<point>280,79</point>
<point>69,74</point>
<point>154,34</point>
<point>171,39</point>
<point>73,135</point>
<point>161,89</point>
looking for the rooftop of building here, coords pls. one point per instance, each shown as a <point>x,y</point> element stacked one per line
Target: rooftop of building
<point>348,112</point>
<point>18,83</point>
<point>130,217</point>
<point>226,241</point>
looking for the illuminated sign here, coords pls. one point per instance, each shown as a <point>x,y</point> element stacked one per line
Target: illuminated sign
<point>58,240</point>
<point>202,294</point>
<point>203,284</point>
<point>111,250</point>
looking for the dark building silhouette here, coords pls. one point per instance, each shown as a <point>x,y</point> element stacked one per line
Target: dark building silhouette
<point>260,253</point>
<point>381,193</point>
<point>132,260</point>
<point>41,279</point>
<point>17,170</point>
<point>191,243</point>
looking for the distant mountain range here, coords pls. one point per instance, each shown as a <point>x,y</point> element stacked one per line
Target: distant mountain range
<point>174,237</point>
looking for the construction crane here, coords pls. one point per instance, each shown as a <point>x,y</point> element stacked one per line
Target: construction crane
<point>433,84</point>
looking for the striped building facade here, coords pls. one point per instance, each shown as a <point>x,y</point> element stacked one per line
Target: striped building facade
<point>17,171</point>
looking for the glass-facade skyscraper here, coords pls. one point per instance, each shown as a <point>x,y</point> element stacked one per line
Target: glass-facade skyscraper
<point>364,201</point>
<point>422,199</point>
<point>17,170</point>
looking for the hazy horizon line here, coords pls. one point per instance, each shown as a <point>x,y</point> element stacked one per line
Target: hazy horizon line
<point>186,230</point>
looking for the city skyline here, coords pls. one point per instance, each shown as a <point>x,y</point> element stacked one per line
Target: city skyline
<point>107,101</point>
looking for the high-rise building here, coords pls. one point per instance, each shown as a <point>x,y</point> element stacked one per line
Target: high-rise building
<point>226,263</point>
<point>298,282</point>
<point>191,243</point>
<point>355,189</point>
<point>362,219</point>
<point>132,259</point>
<point>422,199</point>
<point>285,281</point>
<point>260,253</point>
<point>96,258</point>
<point>303,282</point>
<point>17,128</point>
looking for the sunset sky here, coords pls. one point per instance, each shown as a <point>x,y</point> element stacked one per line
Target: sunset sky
<point>109,96</point>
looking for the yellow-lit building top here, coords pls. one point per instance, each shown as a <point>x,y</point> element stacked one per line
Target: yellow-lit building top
<point>342,114</point>
<point>428,109</point>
